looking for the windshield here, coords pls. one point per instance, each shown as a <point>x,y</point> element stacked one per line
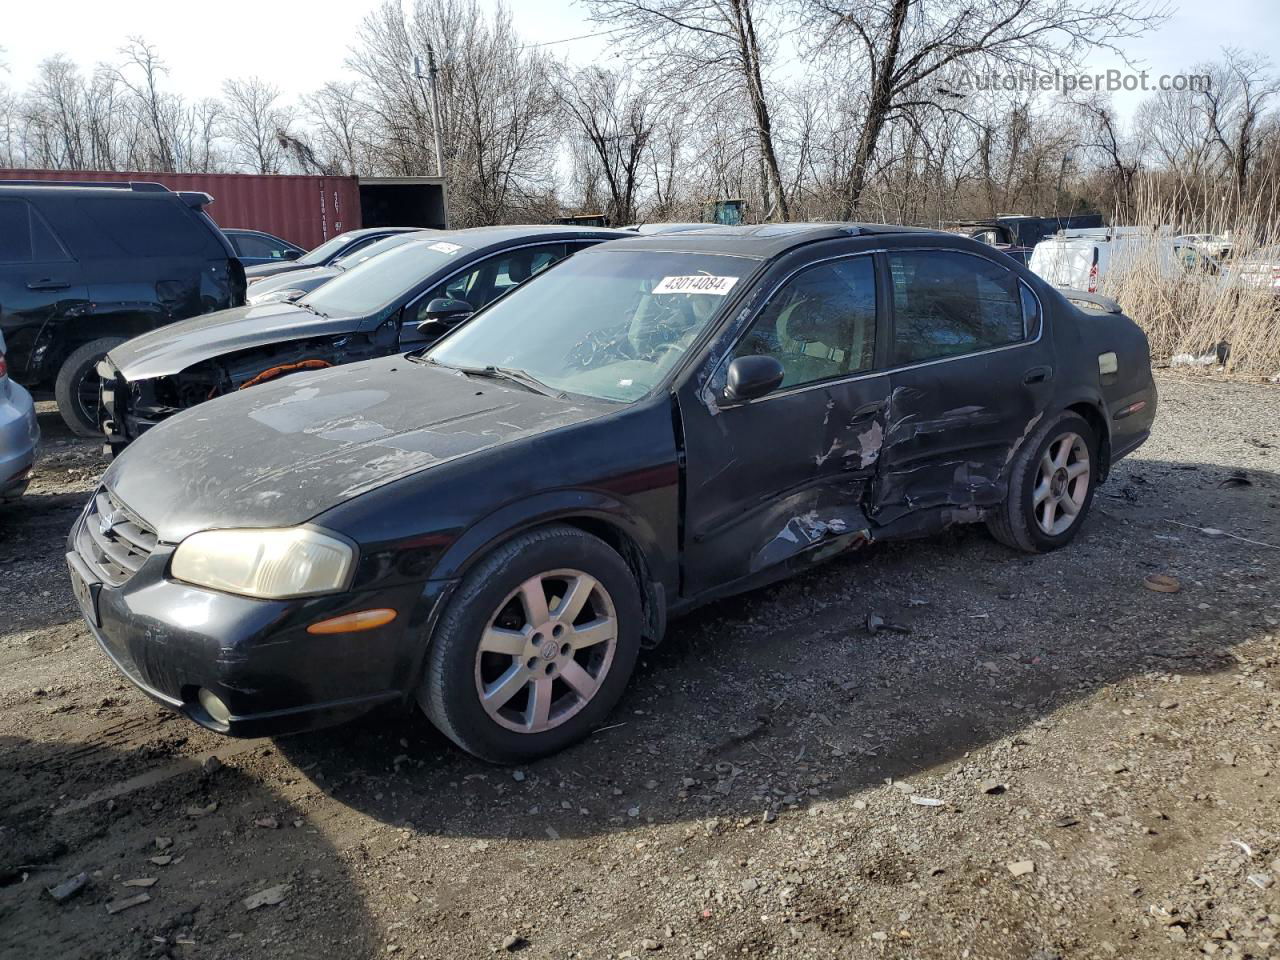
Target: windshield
<point>370,286</point>
<point>604,323</point>
<point>321,254</point>
<point>349,260</point>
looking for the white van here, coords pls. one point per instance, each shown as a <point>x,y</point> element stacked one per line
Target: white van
<point>1079,259</point>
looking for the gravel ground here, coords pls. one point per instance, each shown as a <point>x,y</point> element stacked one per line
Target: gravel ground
<point>1054,762</point>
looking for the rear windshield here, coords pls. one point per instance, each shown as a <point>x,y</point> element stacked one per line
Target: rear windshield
<point>378,283</point>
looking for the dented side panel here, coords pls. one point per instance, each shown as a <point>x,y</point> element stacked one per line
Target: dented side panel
<point>951,430</point>
<point>769,481</point>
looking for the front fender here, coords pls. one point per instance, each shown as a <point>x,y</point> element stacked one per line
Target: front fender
<point>514,518</point>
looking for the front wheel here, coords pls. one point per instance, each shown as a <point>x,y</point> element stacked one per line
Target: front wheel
<point>535,648</point>
<point>1051,487</point>
<point>78,388</point>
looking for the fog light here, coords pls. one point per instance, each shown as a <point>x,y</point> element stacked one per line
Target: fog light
<point>214,707</point>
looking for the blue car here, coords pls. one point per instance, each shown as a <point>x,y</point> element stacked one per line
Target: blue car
<point>19,433</point>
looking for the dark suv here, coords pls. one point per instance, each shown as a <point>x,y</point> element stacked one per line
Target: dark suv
<point>84,267</point>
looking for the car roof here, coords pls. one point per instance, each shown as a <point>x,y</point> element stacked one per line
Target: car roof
<point>365,231</point>
<point>762,241</point>
<point>477,236</point>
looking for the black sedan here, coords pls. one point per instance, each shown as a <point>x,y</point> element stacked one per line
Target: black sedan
<point>375,308</point>
<point>492,527</point>
<point>344,244</point>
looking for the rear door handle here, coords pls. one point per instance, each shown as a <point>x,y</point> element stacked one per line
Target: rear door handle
<point>1037,375</point>
<point>48,283</point>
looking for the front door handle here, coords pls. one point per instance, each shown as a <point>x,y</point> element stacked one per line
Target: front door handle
<point>1037,375</point>
<point>48,283</point>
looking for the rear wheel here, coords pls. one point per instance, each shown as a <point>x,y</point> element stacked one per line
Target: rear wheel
<point>78,388</point>
<point>535,648</point>
<point>1051,487</point>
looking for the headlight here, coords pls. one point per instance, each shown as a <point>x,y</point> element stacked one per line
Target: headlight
<point>271,564</point>
<point>275,296</point>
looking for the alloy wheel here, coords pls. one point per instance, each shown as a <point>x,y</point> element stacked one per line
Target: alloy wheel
<point>546,650</point>
<point>1062,484</point>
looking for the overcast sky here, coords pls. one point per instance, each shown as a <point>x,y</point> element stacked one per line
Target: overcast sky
<point>298,45</point>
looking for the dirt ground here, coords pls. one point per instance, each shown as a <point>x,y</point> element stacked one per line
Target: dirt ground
<point>1054,762</point>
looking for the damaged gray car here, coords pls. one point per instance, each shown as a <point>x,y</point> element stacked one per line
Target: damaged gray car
<point>492,527</point>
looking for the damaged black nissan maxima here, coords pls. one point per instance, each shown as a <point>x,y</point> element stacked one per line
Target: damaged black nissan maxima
<point>494,526</point>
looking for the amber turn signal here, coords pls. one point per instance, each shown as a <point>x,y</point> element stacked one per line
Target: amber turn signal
<point>352,622</point>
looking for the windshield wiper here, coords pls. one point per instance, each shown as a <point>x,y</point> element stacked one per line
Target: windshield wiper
<point>310,309</point>
<point>522,377</point>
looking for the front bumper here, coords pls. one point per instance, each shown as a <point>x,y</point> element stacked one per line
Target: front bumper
<point>19,438</point>
<point>172,639</point>
<point>125,414</point>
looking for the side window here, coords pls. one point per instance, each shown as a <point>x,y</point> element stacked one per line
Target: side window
<point>946,304</point>
<point>24,236</point>
<point>489,279</point>
<point>15,232</point>
<point>252,245</point>
<point>155,227</point>
<point>44,243</point>
<point>821,324</point>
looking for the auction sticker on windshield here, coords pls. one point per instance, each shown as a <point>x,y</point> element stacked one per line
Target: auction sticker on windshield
<point>443,247</point>
<point>698,283</point>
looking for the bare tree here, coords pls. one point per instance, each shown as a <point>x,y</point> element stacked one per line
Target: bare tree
<point>908,49</point>
<point>254,124</point>
<point>341,135</point>
<point>141,73</point>
<point>713,47</point>
<point>1239,89</point>
<point>615,122</point>
<point>498,109</point>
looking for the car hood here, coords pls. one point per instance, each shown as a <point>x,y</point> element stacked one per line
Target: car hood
<point>285,451</point>
<point>306,279</point>
<point>259,270</point>
<point>175,346</point>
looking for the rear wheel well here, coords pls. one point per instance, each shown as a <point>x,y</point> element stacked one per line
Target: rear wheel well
<point>1094,417</point>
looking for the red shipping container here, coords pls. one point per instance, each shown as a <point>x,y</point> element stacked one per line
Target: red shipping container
<point>303,209</point>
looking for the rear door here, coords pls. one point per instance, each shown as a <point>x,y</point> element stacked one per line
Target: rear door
<point>971,374</point>
<point>782,478</point>
<point>40,288</point>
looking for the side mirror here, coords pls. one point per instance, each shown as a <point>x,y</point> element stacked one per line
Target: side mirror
<point>752,377</point>
<point>443,314</point>
<point>292,254</point>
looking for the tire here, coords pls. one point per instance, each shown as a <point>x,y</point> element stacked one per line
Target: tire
<point>76,379</point>
<point>531,666</point>
<point>1037,513</point>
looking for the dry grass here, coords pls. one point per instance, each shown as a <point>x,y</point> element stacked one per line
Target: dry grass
<point>1190,313</point>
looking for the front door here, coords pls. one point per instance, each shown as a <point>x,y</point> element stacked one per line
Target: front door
<point>784,477</point>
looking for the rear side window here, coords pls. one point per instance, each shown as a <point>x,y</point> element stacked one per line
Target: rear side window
<point>15,232</point>
<point>820,325</point>
<point>24,236</point>
<point>252,245</point>
<point>144,228</point>
<point>946,304</point>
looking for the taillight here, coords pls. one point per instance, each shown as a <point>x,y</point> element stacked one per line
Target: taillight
<point>1093,279</point>
<point>4,367</point>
